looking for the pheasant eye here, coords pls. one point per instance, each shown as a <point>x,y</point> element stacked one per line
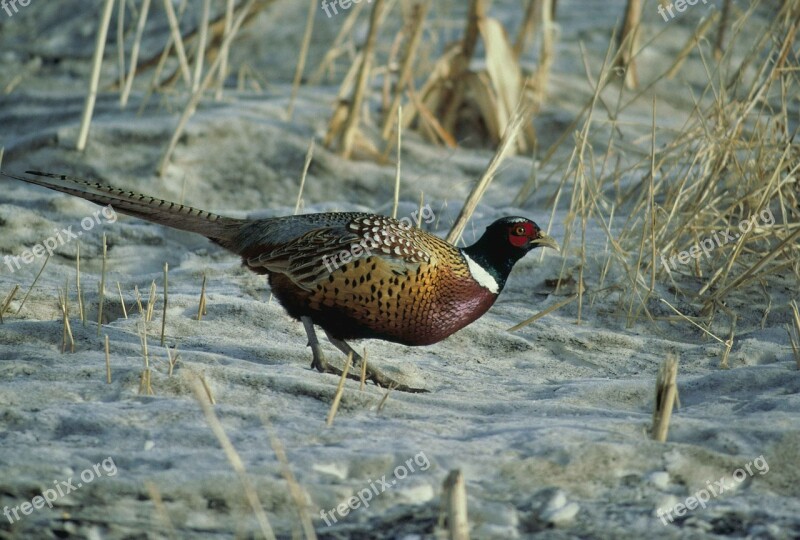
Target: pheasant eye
<point>520,231</point>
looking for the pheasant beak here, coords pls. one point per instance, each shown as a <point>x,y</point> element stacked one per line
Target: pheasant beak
<point>545,240</point>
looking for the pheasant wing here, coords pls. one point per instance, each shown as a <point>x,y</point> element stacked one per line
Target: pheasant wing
<point>318,250</point>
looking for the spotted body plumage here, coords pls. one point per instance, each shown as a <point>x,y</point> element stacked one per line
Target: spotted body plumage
<point>407,286</point>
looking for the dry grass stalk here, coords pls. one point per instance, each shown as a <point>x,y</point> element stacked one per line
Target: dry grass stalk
<point>154,81</point>
<point>609,258</point>
<point>108,362</point>
<point>729,343</point>
<point>160,507</point>
<point>161,62</point>
<point>384,399</point>
<point>97,60</point>
<point>545,10</point>
<point>348,134</point>
<point>481,185</point>
<point>585,114</point>
<point>388,68</point>
<point>207,389</point>
<point>249,78</point>
<point>201,45</point>
<point>201,308</point>
<point>7,302</point>
<point>137,43</point>
<point>651,220</point>
<point>337,397</point>
<point>417,23</point>
<point>301,61</point>
<point>144,382</point>
<point>341,110</point>
<point>428,95</point>
<point>306,165</point>
<point>164,310</point>
<point>419,209</point>
<point>122,301</point>
<point>666,394</point>
<point>29,68</point>
<point>691,43</point>
<point>222,73</point>
<point>455,500</point>
<point>723,23</point>
<point>63,302</point>
<point>363,371</point>
<point>102,290</point>
<point>151,303</point>
<point>430,123</point>
<point>33,284</point>
<point>295,491</point>
<point>234,459</point>
<point>79,292</point>
<point>628,42</point>
<point>138,300</point>
<point>194,99</point>
<point>752,273</point>
<point>182,198</point>
<point>526,28</point>
<point>460,66</point>
<point>121,41</point>
<point>172,359</point>
<point>177,41</point>
<point>502,92</point>
<point>337,49</point>
<point>684,317</point>
<point>544,312</point>
<point>396,199</point>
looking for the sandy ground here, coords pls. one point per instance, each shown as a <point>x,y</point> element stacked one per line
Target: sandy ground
<point>548,424</point>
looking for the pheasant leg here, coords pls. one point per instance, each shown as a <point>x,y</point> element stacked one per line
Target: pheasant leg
<point>318,361</point>
<point>373,374</point>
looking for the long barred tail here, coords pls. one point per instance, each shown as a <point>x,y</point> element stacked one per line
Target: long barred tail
<point>218,228</point>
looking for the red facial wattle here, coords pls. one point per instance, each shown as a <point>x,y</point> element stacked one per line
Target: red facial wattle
<point>517,241</point>
<point>521,234</point>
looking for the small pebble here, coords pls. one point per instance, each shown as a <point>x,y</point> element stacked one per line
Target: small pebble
<point>558,511</point>
<point>334,469</point>
<point>659,479</point>
<point>562,516</point>
<point>418,494</point>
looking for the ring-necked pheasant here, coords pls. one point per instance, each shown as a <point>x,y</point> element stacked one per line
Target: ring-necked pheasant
<point>398,284</point>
